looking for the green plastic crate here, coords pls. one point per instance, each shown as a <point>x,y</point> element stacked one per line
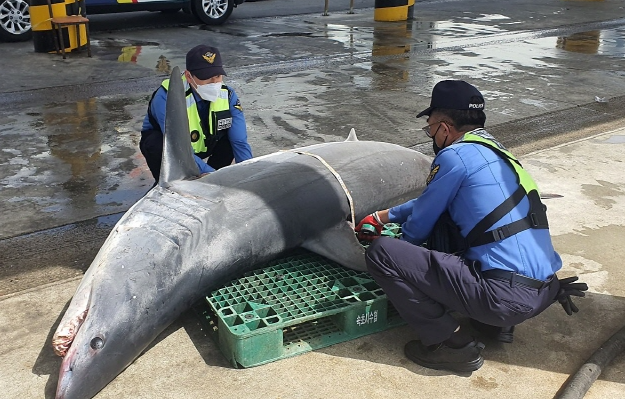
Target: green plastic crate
<point>294,305</point>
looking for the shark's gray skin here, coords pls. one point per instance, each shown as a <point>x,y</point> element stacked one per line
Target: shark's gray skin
<point>189,235</point>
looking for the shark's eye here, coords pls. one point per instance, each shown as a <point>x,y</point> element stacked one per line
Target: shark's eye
<point>97,343</point>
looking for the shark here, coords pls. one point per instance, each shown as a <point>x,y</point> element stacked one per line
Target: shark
<point>191,234</point>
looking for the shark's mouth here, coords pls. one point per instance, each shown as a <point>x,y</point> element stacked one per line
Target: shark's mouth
<point>69,326</point>
<point>65,335</point>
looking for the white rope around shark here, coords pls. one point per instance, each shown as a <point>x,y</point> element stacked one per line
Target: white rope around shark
<point>338,178</point>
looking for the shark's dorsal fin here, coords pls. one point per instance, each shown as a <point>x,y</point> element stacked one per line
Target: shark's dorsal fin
<point>177,162</point>
<point>352,135</point>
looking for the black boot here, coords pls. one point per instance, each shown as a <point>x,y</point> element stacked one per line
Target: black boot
<point>501,334</point>
<point>441,357</point>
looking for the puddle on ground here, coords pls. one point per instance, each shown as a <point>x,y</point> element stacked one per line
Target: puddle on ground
<point>394,48</point>
<point>108,221</point>
<point>387,57</point>
<point>603,193</point>
<point>149,55</point>
<point>616,139</point>
<point>602,42</point>
<point>74,159</point>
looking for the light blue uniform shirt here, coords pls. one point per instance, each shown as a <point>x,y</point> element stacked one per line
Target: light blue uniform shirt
<point>470,180</point>
<point>237,133</point>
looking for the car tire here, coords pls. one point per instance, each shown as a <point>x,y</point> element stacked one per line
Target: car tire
<point>212,12</point>
<point>14,21</point>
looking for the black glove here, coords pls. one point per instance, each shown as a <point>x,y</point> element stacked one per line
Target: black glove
<point>568,288</point>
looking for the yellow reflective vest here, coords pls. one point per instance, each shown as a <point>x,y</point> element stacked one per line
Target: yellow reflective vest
<point>219,118</point>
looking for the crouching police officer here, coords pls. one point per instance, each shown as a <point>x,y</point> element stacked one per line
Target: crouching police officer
<point>489,253</point>
<point>216,120</point>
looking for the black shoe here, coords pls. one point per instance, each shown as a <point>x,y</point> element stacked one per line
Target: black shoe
<point>441,357</point>
<point>501,334</point>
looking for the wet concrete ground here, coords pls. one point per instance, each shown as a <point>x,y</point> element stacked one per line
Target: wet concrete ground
<point>552,72</point>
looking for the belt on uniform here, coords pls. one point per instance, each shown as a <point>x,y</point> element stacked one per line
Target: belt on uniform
<point>515,279</point>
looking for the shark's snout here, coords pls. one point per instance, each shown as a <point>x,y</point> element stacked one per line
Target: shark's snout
<point>76,379</point>
<point>65,376</point>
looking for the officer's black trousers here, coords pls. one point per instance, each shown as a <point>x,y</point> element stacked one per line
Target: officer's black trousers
<point>425,286</point>
<point>151,146</point>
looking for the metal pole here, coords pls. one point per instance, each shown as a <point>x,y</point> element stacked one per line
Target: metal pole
<point>351,7</point>
<point>325,12</point>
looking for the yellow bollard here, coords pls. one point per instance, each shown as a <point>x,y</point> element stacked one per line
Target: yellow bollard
<point>411,9</point>
<point>43,35</point>
<point>391,10</point>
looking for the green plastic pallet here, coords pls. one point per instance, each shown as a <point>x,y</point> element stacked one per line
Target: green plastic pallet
<point>294,305</point>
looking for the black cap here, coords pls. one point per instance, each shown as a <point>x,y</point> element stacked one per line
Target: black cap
<point>204,62</point>
<point>454,94</point>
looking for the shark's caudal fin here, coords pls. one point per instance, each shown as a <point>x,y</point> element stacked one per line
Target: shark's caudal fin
<point>352,136</point>
<point>177,162</point>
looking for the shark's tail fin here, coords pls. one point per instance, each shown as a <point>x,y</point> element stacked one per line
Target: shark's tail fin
<point>178,162</point>
<point>352,135</point>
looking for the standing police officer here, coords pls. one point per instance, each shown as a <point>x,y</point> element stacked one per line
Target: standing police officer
<point>503,268</point>
<point>216,120</point>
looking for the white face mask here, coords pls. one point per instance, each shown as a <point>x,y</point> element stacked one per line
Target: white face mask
<point>208,92</point>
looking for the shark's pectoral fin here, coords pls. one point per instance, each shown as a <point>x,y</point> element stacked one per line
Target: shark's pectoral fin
<point>340,245</point>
